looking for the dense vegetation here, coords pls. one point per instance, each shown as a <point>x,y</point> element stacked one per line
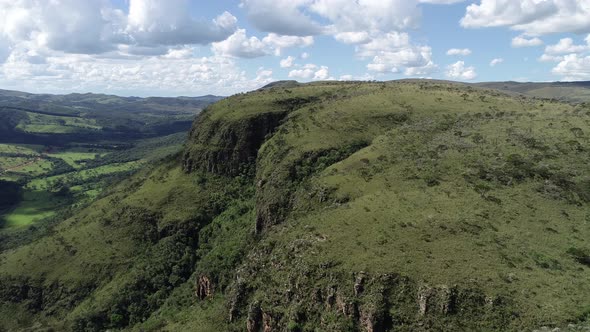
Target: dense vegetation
<point>406,206</point>
<point>58,153</point>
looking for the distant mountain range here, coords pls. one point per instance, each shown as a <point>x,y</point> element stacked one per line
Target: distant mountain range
<point>61,119</point>
<point>565,91</point>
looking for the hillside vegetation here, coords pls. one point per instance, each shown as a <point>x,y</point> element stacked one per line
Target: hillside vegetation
<point>400,206</point>
<point>62,150</point>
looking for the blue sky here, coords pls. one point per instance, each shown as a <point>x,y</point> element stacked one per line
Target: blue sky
<point>181,47</point>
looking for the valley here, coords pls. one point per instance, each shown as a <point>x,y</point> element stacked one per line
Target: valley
<point>62,151</point>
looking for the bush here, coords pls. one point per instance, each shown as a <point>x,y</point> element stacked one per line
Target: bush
<point>582,256</point>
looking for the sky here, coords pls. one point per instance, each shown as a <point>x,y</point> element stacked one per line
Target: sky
<point>222,47</point>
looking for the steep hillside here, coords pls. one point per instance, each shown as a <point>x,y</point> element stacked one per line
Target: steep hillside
<point>401,206</point>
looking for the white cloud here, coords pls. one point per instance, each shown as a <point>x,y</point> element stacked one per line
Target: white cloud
<point>460,72</point>
<point>322,74</point>
<point>565,46</point>
<point>550,58</point>
<point>278,43</point>
<point>156,22</point>
<point>523,41</point>
<point>65,25</point>
<point>573,67</point>
<point>360,37</point>
<point>494,13</point>
<point>311,71</point>
<point>282,17</point>
<point>287,62</point>
<point>166,75</point>
<point>496,62</point>
<point>306,72</point>
<point>94,26</point>
<point>534,17</point>
<point>304,55</point>
<point>366,15</point>
<point>457,51</point>
<point>263,76</point>
<point>393,53</point>
<point>240,46</point>
<point>183,53</point>
<point>343,18</point>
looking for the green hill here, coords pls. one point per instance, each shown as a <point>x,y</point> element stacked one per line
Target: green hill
<point>399,206</point>
<point>576,92</point>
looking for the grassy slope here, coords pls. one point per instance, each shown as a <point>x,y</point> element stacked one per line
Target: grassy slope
<point>475,189</point>
<point>439,183</point>
<point>105,247</point>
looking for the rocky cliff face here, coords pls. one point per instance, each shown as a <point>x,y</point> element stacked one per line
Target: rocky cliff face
<point>228,147</point>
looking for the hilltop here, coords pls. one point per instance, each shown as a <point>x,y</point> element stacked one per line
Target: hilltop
<point>332,206</point>
<point>576,92</point>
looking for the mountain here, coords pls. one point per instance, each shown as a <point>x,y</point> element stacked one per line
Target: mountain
<point>565,91</point>
<point>90,118</point>
<point>63,150</point>
<point>332,206</point>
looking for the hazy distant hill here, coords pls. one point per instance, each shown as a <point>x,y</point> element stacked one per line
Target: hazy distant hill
<point>566,91</point>
<point>63,119</point>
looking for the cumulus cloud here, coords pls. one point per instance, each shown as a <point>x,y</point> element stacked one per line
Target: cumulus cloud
<point>310,71</point>
<point>65,25</point>
<point>573,67</point>
<point>366,15</point>
<point>534,17</point>
<point>278,43</point>
<point>283,17</point>
<point>167,76</point>
<point>240,46</point>
<point>393,53</point>
<point>565,46</point>
<point>287,62</point>
<point>94,26</point>
<point>496,62</point>
<point>156,22</point>
<point>550,58</point>
<point>457,51</point>
<point>349,21</point>
<point>523,41</point>
<point>459,71</point>
<point>322,74</point>
<point>263,76</point>
<point>359,37</point>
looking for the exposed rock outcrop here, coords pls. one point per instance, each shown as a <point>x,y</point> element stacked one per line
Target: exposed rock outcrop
<point>254,321</point>
<point>205,287</point>
<point>228,147</point>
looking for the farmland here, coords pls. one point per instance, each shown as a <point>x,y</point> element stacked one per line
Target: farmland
<point>62,151</point>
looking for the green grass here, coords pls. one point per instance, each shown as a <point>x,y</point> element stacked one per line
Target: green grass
<point>21,149</point>
<point>39,123</point>
<point>82,176</point>
<point>35,207</point>
<point>422,187</point>
<point>75,159</point>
